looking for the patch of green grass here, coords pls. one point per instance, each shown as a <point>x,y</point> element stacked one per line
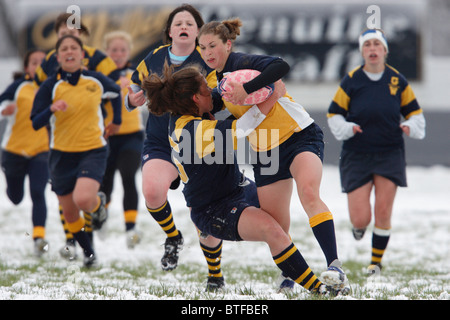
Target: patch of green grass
<point>40,278</point>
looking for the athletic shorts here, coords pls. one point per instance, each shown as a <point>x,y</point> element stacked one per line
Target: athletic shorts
<point>67,167</point>
<point>15,165</point>
<point>357,169</point>
<point>125,143</point>
<point>220,219</point>
<point>152,151</point>
<point>267,172</point>
<point>162,152</point>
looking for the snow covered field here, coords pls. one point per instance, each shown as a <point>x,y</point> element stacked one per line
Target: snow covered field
<point>416,264</point>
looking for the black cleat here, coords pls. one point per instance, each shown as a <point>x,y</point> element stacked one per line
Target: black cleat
<point>172,247</point>
<point>214,284</point>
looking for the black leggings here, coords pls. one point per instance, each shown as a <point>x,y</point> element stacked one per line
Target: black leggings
<point>124,156</point>
<point>16,168</point>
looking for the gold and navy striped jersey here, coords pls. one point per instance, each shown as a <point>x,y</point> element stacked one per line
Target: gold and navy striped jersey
<point>286,116</point>
<point>80,127</point>
<point>131,120</point>
<point>94,60</point>
<point>203,151</point>
<point>156,128</point>
<point>377,107</point>
<point>19,137</point>
<point>154,63</point>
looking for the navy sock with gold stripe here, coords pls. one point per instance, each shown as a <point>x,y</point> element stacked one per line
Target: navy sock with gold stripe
<point>77,229</point>
<point>68,234</point>
<point>163,215</point>
<point>213,258</point>
<point>380,241</point>
<point>323,228</point>
<point>293,265</point>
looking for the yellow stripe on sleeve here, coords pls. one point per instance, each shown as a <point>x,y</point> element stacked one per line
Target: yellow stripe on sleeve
<point>342,99</point>
<point>407,96</point>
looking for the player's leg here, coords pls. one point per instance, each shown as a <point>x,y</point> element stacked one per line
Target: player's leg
<point>128,165</point>
<point>75,225</point>
<point>385,191</point>
<point>359,209</point>
<point>257,225</point>
<point>212,250</point>
<point>157,177</point>
<point>38,175</point>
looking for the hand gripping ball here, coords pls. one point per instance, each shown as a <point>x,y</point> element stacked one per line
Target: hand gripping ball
<point>244,76</point>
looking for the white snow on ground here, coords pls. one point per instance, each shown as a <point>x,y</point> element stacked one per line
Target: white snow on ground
<point>420,240</point>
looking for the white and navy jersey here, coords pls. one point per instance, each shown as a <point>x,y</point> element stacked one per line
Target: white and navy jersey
<point>80,127</point>
<point>377,107</point>
<point>19,137</point>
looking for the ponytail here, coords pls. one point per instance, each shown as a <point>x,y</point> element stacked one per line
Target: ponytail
<point>173,91</point>
<point>225,30</point>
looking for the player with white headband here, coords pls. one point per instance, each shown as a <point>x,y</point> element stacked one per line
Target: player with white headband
<point>366,114</point>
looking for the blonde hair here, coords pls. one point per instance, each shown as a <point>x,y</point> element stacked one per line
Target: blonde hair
<point>118,34</point>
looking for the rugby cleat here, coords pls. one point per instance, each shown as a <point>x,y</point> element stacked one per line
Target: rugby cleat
<point>358,234</point>
<point>285,284</point>
<point>374,270</point>
<point>214,284</point>
<point>90,261</point>
<point>322,290</point>
<point>101,214</point>
<point>40,247</point>
<point>335,279</point>
<point>172,247</point>
<point>133,238</point>
<point>69,251</point>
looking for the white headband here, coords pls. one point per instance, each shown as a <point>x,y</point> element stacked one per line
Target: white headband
<point>372,34</point>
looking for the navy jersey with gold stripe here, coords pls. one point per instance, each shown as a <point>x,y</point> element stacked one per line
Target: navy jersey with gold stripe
<point>156,129</point>
<point>80,127</point>
<point>203,151</point>
<point>377,107</point>
<point>94,60</point>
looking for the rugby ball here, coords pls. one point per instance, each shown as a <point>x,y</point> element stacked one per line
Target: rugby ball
<point>244,76</point>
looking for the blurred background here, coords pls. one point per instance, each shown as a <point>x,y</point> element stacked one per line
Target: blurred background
<point>319,39</point>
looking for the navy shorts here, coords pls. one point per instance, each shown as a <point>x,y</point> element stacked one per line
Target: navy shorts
<point>357,169</point>
<point>156,143</point>
<point>220,219</point>
<point>130,142</point>
<point>67,167</point>
<point>152,151</point>
<point>278,168</point>
<point>162,152</point>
